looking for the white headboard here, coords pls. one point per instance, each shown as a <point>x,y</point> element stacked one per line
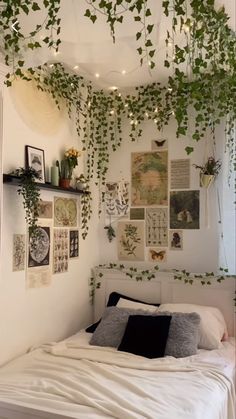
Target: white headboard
<point>165,289</point>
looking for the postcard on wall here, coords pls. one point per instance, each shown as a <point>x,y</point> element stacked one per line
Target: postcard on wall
<point>176,239</point>
<point>149,174</point>
<point>184,210</point>
<point>180,174</point>
<point>45,209</point>
<point>130,240</point>
<point>39,256</point>
<point>60,250</point>
<point>117,198</point>
<point>18,260</point>
<point>156,227</point>
<point>157,254</point>
<point>74,244</point>
<point>159,144</point>
<point>65,212</point>
<point>137,213</point>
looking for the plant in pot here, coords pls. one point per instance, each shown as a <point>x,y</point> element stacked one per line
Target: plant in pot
<point>209,171</point>
<point>30,192</point>
<point>68,163</point>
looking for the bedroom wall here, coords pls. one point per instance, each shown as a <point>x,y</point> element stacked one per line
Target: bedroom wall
<point>32,316</point>
<point>200,247</point>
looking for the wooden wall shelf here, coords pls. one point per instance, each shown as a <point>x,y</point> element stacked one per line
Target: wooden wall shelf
<point>15,180</point>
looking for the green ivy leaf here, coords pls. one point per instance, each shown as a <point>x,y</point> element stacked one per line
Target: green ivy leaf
<point>189,150</point>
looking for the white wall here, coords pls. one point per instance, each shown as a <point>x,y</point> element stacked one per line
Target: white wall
<point>32,316</point>
<point>200,253</point>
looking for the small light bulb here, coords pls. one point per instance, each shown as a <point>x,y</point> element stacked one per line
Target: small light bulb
<point>119,94</point>
<point>56,53</point>
<point>186,28</point>
<point>72,84</point>
<point>136,122</point>
<point>126,105</point>
<point>97,75</point>
<point>155,121</point>
<point>123,72</point>
<point>149,63</point>
<point>114,88</point>
<point>147,115</point>
<point>51,65</point>
<point>76,67</point>
<point>131,114</point>
<point>112,112</point>
<point>170,89</point>
<point>156,110</point>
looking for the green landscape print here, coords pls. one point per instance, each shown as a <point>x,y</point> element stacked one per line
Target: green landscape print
<point>149,179</point>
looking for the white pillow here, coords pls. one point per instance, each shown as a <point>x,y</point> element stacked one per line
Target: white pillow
<point>123,303</point>
<point>212,325</point>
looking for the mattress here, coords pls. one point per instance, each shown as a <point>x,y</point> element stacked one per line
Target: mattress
<point>77,380</point>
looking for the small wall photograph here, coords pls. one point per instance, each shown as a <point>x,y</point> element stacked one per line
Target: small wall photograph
<point>184,210</point>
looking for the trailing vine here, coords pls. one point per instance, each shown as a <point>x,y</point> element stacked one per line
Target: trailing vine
<point>15,41</point>
<point>149,274</point>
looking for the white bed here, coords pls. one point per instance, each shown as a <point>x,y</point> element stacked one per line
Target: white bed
<point>74,379</point>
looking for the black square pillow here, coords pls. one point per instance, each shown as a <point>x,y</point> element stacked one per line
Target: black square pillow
<point>146,336</point>
<point>112,301</point>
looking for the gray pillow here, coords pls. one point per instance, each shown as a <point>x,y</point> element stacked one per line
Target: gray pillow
<point>112,327</point>
<point>183,334</point>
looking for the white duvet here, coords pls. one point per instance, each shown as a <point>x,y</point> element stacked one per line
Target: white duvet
<point>82,381</point>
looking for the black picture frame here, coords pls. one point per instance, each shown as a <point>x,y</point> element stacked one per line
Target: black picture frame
<point>35,158</point>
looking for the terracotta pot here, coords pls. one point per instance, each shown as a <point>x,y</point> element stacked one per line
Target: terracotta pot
<point>206,180</point>
<point>64,183</point>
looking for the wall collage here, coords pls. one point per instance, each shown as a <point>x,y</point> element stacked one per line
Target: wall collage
<point>57,244</point>
<point>150,219</point>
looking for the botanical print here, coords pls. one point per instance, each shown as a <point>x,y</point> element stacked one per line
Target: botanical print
<point>18,252</point>
<point>130,240</point>
<point>117,198</point>
<point>39,249</point>
<point>157,255</point>
<point>149,185</point>
<point>74,243</point>
<point>176,239</point>
<point>65,212</point>
<point>45,209</point>
<point>160,143</point>
<point>180,174</point>
<point>137,213</point>
<point>60,250</point>
<point>184,210</point>
<point>156,227</point>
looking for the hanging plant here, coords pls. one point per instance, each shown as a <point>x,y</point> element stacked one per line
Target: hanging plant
<point>30,192</point>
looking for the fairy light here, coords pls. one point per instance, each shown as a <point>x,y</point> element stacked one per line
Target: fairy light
<point>126,105</point>
<point>72,84</point>
<point>147,114</point>
<point>114,88</point>
<point>119,94</point>
<point>156,110</point>
<point>112,112</point>
<point>97,75</point>
<point>155,121</point>
<point>131,114</point>
<point>76,67</point>
<point>170,89</point>
<point>123,72</point>
<point>51,65</point>
<point>186,27</point>
<point>55,53</point>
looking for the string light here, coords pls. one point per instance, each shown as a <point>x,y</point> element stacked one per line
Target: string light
<point>51,65</point>
<point>155,121</point>
<point>170,89</point>
<point>126,105</point>
<point>147,115</point>
<point>72,84</point>
<point>123,72</point>
<point>56,53</point>
<point>76,67</point>
<point>156,110</point>
<point>97,75</point>
<point>112,112</point>
<point>131,114</point>
<point>113,88</point>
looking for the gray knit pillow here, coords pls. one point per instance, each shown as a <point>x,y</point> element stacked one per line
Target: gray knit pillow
<point>183,334</point>
<point>112,327</point>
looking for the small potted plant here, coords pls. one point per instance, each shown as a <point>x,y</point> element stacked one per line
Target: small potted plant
<point>209,171</point>
<point>68,163</point>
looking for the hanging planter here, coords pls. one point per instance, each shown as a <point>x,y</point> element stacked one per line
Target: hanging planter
<point>206,180</point>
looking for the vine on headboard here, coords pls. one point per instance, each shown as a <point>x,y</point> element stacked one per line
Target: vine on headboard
<point>148,274</point>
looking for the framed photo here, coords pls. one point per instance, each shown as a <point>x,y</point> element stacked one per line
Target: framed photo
<point>35,159</point>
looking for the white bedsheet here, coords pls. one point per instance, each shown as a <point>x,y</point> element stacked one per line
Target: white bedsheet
<point>82,381</point>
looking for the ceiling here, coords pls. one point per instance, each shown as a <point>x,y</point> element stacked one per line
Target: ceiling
<point>89,47</point>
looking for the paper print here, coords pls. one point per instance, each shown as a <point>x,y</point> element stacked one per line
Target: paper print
<point>18,261</point>
<point>39,248</point>
<point>157,255</point>
<point>65,212</point>
<point>184,210</point>
<point>156,227</point>
<point>149,178</point>
<point>45,209</point>
<point>130,238</point>
<point>159,143</point>
<point>137,213</point>
<point>38,277</point>
<point>60,250</point>
<point>180,174</point>
<point>117,198</point>
<point>176,239</point>
<point>74,243</point>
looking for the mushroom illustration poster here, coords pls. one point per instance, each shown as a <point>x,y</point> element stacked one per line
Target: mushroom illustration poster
<point>149,174</point>
<point>18,252</point>
<point>130,236</point>
<point>156,227</point>
<point>60,250</point>
<point>74,243</point>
